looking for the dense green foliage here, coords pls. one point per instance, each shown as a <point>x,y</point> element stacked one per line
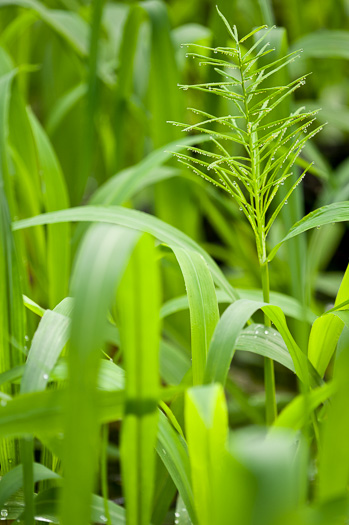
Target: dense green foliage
<point>173,352</point>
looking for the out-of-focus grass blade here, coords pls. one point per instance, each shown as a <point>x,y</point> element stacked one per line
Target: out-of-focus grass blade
<point>296,414</point>
<point>290,306</point>
<point>132,219</point>
<point>13,480</point>
<point>215,475</point>
<point>12,316</point>
<point>278,463</point>
<point>138,301</point>
<point>328,43</point>
<point>326,330</point>
<point>204,313</point>
<point>47,506</point>
<point>48,342</point>
<point>333,463</point>
<point>63,106</point>
<point>55,197</point>
<point>173,452</point>
<point>125,183</point>
<point>336,212</point>
<point>98,268</point>
<point>41,413</point>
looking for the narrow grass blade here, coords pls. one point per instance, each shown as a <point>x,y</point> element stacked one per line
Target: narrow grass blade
<point>173,452</point>
<point>138,300</point>
<point>55,196</point>
<point>336,212</point>
<point>203,307</point>
<point>326,330</point>
<point>297,413</point>
<point>333,471</point>
<point>215,474</point>
<point>13,480</point>
<point>224,340</point>
<point>328,43</point>
<point>132,219</point>
<point>98,268</point>
<point>290,306</point>
<point>48,342</point>
<point>47,508</point>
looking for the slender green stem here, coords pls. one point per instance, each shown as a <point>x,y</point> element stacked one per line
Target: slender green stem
<point>269,376</point>
<point>104,471</point>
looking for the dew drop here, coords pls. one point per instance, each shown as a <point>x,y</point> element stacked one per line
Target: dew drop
<point>266,332</point>
<point>103,518</point>
<point>26,337</point>
<point>45,376</point>
<point>177,514</point>
<point>286,202</point>
<point>4,513</point>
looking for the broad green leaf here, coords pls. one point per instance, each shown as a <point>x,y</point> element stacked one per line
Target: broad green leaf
<point>203,307</point>
<point>138,301</point>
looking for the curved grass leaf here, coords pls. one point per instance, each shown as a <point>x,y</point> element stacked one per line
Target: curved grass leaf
<point>290,306</point>
<point>296,414</point>
<point>336,212</point>
<point>99,266</point>
<point>13,480</point>
<point>328,43</point>
<point>138,301</point>
<point>132,219</point>
<point>173,452</point>
<point>223,343</point>
<point>47,508</point>
<point>55,197</point>
<point>215,475</point>
<point>204,314</point>
<point>326,330</point>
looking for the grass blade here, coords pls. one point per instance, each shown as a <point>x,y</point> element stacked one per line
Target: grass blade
<point>138,301</point>
<point>204,314</point>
